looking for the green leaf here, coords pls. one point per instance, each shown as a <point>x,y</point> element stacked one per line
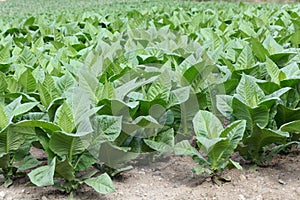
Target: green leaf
<point>65,169</point>
<point>179,96</point>
<point>282,58</point>
<point>258,49</point>
<point>10,141</point>
<point>260,138</point>
<point>38,123</point>
<point>65,82</point>
<point>257,115</point>
<point>43,176</point>
<point>285,115</point>
<point>81,106</point>
<point>184,148</point>
<point>292,127</point>
<point>28,162</point>
<point>5,55</point>
<point>236,164</point>
<point>245,59</point>
<point>66,145</point>
<point>163,143</point>
<point>107,127</point>
<point>208,144</point>
<point>45,95</point>
<point>224,105</point>
<point>89,83</point>
<point>207,125</point>
<point>234,134</point>
<point>102,184</point>
<point>28,81</point>
<point>4,120</point>
<point>84,161</point>
<point>249,92</point>
<point>274,71</point>
<point>112,155</point>
<point>64,118</point>
<point>3,83</point>
<point>23,108</point>
<point>295,38</point>
<point>142,126</point>
<point>272,46</point>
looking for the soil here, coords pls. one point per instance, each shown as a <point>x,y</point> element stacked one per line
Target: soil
<point>171,178</point>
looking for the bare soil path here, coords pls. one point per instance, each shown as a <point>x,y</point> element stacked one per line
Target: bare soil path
<point>171,178</point>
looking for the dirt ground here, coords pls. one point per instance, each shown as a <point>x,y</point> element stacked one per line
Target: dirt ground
<point>171,178</point>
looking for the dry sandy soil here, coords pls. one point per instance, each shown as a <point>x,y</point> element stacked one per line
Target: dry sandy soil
<point>171,178</point>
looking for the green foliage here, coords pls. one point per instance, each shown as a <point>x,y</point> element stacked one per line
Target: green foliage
<point>102,83</point>
<point>216,143</point>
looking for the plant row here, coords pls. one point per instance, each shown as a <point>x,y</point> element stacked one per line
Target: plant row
<point>96,89</point>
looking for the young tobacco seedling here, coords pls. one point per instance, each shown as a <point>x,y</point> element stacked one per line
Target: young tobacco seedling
<point>215,142</point>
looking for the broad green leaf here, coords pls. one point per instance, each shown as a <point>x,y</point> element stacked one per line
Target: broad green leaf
<point>23,108</point>
<point>107,91</point>
<point>65,82</point>
<point>66,145</point>
<point>112,155</point>
<point>285,115</point>
<point>65,169</point>
<point>207,125</point>
<point>282,58</point>
<point>207,144</point>
<point>10,108</point>
<point>10,141</point>
<point>89,83</point>
<point>12,84</point>
<point>107,127</point>
<point>64,118</point>
<point>4,120</point>
<point>38,123</point>
<point>81,106</point>
<point>257,115</point>
<point>184,148</point>
<point>102,184</point>
<point>274,72</point>
<point>27,57</point>
<point>3,83</point>
<point>292,127</point>
<point>221,150</point>
<point>85,161</point>
<point>295,38</point>
<point>179,96</point>
<point>45,95</point>
<point>133,84</point>
<point>5,55</point>
<point>163,143</point>
<point>28,81</point>
<point>260,138</point>
<point>224,105</point>
<point>249,92</point>
<point>245,59</point>
<point>234,133</point>
<point>28,162</point>
<point>140,125</point>
<point>258,49</point>
<point>272,46</point>
<point>43,176</point>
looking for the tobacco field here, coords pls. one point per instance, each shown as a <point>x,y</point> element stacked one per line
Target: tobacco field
<point>94,85</point>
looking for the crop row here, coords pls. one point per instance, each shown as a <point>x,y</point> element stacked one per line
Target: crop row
<point>95,89</point>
